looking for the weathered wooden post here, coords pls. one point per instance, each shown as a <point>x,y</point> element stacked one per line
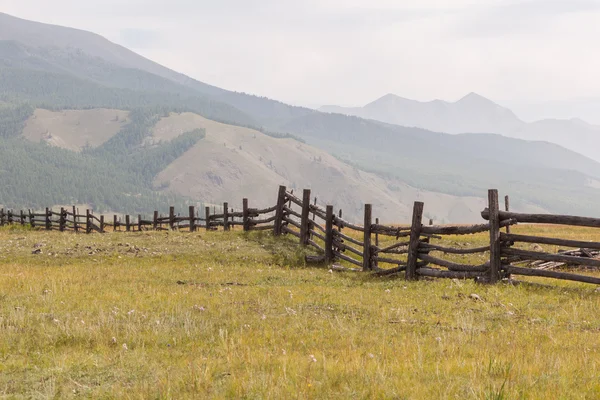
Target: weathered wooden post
<point>376,233</point>
<point>10,217</point>
<point>279,210</point>
<point>75,226</point>
<point>329,256</point>
<point>155,220</point>
<point>225,216</point>
<point>494,271</point>
<point>62,220</point>
<point>314,214</point>
<point>413,246</point>
<point>88,221</point>
<point>340,226</point>
<point>22,218</point>
<point>31,219</point>
<point>507,208</point>
<point>2,217</point>
<point>305,221</point>
<point>430,221</point>
<point>127,223</point>
<point>207,217</point>
<point>172,218</point>
<point>367,239</point>
<point>245,215</point>
<point>48,222</point>
<point>139,223</point>
<point>102,224</point>
<point>192,215</point>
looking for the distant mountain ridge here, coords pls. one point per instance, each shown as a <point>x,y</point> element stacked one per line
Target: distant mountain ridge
<point>476,114</point>
<point>471,114</point>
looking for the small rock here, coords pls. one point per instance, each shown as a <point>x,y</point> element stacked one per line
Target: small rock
<point>37,251</point>
<point>475,297</point>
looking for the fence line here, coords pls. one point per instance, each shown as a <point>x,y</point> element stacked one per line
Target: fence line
<point>323,229</point>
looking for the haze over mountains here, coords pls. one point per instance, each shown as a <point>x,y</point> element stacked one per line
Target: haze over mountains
<point>476,114</point>
<point>83,120</point>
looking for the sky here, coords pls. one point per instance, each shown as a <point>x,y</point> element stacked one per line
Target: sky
<point>523,53</point>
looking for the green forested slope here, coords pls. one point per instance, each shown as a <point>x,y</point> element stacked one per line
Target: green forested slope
<point>116,176</point>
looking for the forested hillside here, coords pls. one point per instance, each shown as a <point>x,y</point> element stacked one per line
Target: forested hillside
<point>115,176</point>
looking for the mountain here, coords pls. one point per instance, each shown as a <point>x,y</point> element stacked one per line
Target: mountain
<point>476,114</point>
<point>162,154</point>
<point>471,114</point>
<point>76,109</point>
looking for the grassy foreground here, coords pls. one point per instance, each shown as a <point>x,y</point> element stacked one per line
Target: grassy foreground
<point>233,315</point>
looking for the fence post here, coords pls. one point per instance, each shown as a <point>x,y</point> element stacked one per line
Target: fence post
<point>31,219</point>
<point>102,224</point>
<point>139,223</point>
<point>207,217</point>
<point>192,213</point>
<point>75,226</point>
<point>245,215</point>
<point>61,220</point>
<point>494,272</point>
<point>507,209</point>
<point>22,218</point>
<point>279,210</point>
<point>376,234</point>
<point>172,217</point>
<point>329,257</point>
<point>367,239</point>
<point>225,216</point>
<point>48,223</point>
<point>305,221</point>
<point>340,214</point>
<point>88,222</point>
<point>127,223</point>
<point>1,216</point>
<point>10,217</point>
<point>413,246</point>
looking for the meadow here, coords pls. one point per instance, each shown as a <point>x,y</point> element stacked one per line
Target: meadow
<point>239,315</point>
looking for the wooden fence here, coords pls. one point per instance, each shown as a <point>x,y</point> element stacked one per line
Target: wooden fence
<point>70,220</point>
<point>406,250</point>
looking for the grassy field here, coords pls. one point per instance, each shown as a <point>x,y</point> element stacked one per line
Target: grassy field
<point>234,315</point>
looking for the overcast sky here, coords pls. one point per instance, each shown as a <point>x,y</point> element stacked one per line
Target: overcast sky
<point>350,52</point>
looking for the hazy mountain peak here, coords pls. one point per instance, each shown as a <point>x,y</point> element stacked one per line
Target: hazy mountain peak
<point>474,98</point>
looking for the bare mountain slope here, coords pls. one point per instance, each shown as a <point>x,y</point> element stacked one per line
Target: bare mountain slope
<point>232,160</point>
<point>74,129</point>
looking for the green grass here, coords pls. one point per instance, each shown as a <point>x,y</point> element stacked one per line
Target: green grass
<point>233,315</point>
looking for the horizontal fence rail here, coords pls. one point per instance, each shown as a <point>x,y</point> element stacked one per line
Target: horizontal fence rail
<point>380,249</point>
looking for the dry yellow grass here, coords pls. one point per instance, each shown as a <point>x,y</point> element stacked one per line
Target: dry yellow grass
<point>233,315</point>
